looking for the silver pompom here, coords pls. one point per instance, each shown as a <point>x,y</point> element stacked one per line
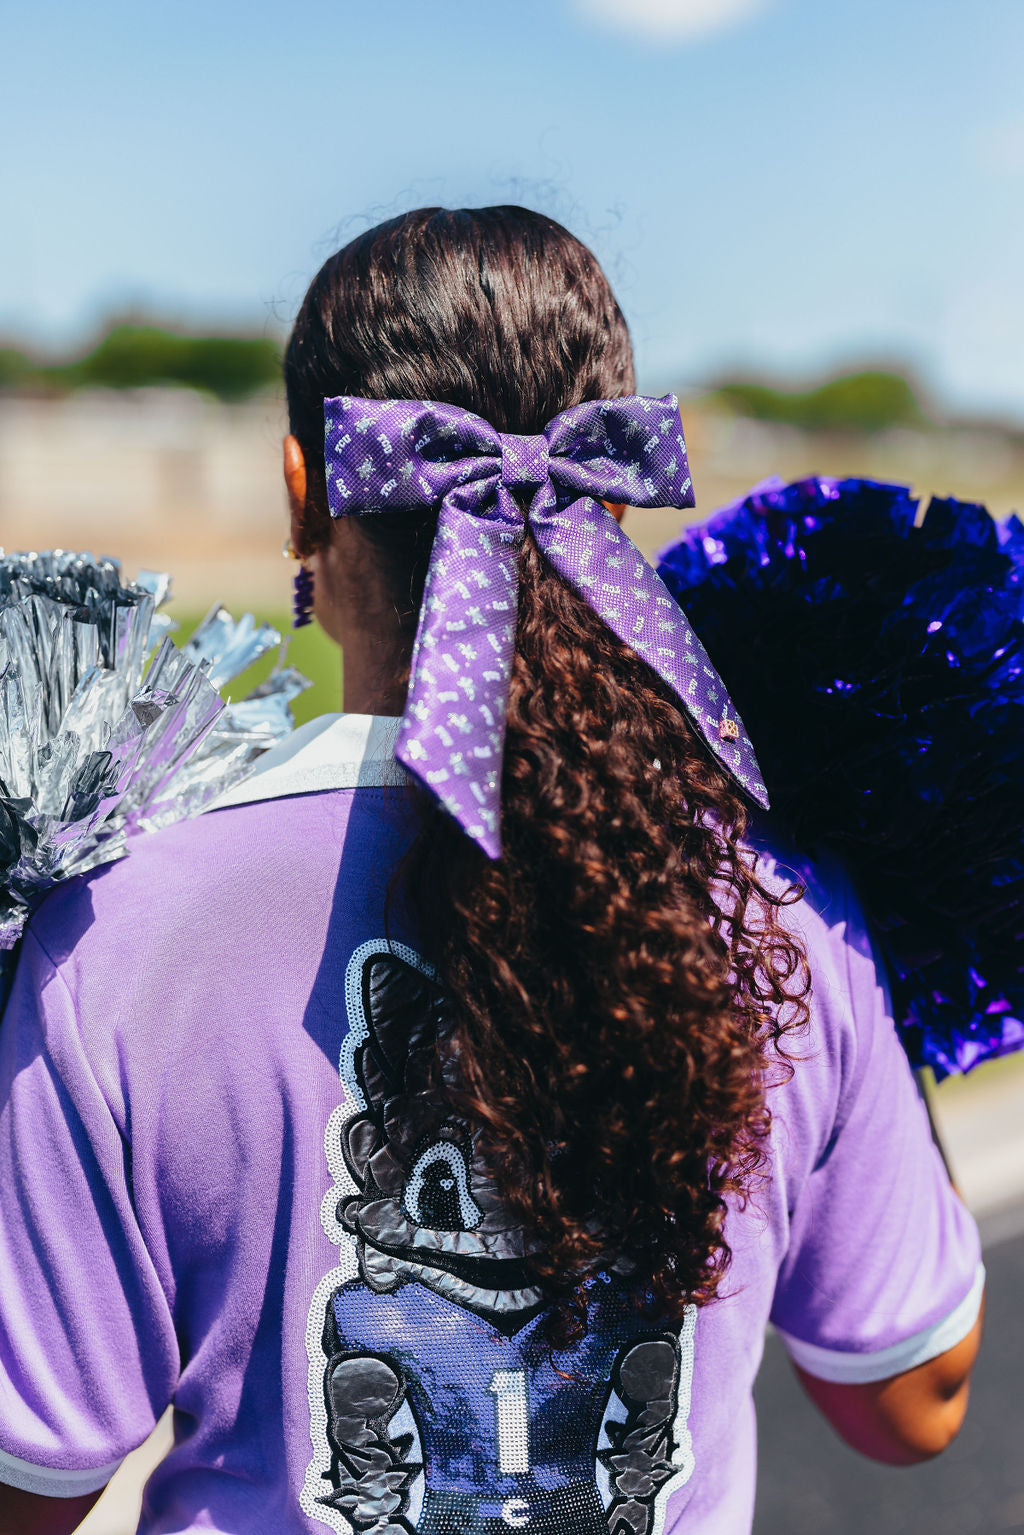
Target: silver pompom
<point>106,727</point>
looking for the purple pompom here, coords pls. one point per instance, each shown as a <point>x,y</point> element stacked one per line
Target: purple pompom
<point>877,659</point>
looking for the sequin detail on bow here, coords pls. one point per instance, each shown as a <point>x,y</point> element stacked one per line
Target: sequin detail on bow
<point>401,455</point>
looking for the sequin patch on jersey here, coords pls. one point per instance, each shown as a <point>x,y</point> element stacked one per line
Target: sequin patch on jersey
<point>437,1405</point>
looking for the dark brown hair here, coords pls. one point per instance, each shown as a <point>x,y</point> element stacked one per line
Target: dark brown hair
<point>620,981</point>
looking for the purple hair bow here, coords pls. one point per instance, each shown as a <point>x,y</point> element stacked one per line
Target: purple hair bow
<point>402,455</point>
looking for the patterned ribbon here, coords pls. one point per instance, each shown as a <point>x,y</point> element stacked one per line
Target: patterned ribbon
<point>402,455</point>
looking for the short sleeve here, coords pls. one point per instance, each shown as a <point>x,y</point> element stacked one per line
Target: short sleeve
<point>88,1354</point>
<point>883,1269</point>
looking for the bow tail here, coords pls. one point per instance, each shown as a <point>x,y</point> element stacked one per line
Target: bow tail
<point>452,735</point>
<point>591,552</point>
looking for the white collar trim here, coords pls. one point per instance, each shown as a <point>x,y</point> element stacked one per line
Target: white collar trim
<point>335,751</point>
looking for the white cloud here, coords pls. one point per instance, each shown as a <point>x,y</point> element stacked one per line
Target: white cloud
<point>670,20</point>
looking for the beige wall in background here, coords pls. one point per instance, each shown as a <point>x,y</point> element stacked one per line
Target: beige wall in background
<point>170,479</point>
<point>163,479</point>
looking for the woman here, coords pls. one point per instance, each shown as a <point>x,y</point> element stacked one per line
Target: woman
<point>609,1095</point>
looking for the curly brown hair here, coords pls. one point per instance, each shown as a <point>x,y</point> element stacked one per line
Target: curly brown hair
<point>620,981</point>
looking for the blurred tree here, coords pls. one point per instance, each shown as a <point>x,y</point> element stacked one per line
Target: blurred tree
<point>15,368</point>
<point>132,355</point>
<point>869,401</point>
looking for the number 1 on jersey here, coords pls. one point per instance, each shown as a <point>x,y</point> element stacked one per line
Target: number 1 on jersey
<point>512,1417</point>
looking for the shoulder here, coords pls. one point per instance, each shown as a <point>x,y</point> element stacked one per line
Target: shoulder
<point>823,911</point>
<point>211,934</point>
<point>850,1022</point>
<point>828,898</point>
<point>276,837</point>
<point>165,878</point>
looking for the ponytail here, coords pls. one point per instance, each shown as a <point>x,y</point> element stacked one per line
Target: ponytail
<point>619,981</point>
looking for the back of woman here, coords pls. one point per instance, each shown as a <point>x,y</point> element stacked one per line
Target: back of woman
<point>444,1163</point>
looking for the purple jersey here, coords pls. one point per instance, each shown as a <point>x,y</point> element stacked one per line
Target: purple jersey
<point>203,1202</point>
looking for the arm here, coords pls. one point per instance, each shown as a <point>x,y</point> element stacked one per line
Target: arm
<point>879,1294</point>
<point>88,1349</point>
<point>26,1513</point>
<point>907,1418</point>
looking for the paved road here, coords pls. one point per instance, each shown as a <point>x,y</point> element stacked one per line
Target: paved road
<point>809,1483</point>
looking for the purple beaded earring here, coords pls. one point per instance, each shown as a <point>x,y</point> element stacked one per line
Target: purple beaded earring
<point>302,590</point>
<point>302,598</point>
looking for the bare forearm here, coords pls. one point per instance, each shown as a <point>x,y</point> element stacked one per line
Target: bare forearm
<point>26,1513</point>
<point>908,1418</point>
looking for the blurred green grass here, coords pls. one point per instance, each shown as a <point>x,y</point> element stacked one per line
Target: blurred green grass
<point>309,651</point>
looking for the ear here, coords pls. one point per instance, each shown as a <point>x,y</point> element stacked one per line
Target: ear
<point>403,1009</point>
<point>617,508</point>
<point>295,484</point>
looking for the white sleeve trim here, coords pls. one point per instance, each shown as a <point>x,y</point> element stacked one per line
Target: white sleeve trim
<point>848,1369</point>
<point>49,1482</point>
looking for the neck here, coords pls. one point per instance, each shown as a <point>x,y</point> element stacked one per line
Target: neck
<point>375,673</point>
<point>354,603</point>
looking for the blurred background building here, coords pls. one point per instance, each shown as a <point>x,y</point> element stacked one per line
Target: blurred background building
<point>165,449</point>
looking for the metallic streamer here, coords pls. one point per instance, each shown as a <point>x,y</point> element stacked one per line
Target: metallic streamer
<point>106,727</point>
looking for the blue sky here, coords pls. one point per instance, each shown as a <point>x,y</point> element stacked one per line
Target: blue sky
<point>774,185</point>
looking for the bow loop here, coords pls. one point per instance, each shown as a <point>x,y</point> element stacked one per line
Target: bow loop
<point>629,450</point>
<point>400,455</point>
